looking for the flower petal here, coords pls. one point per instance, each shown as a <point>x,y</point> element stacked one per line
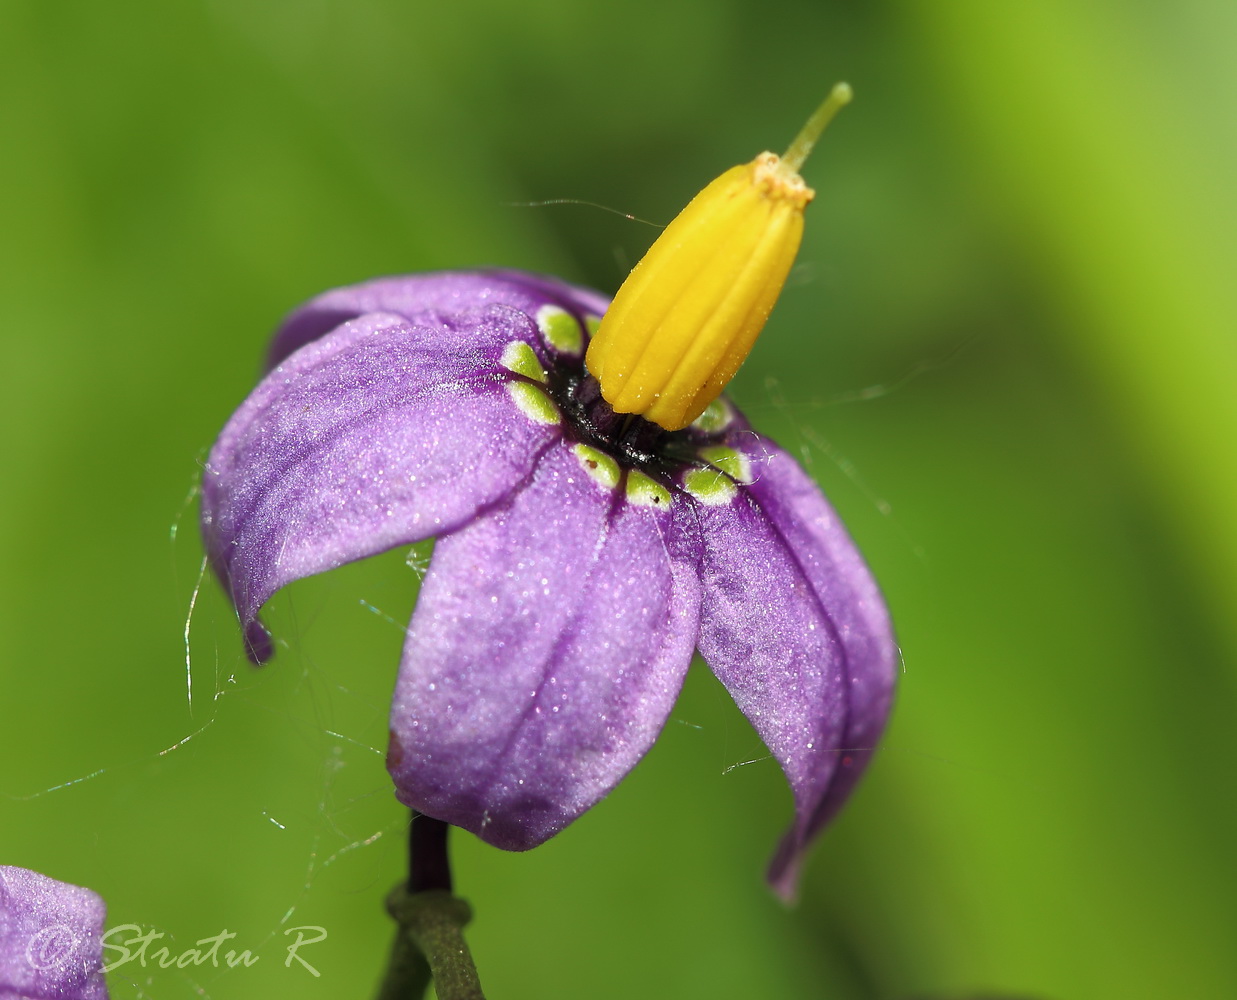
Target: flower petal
<point>550,641</point>
<point>795,628</point>
<point>51,938</point>
<point>424,297</point>
<point>378,434</point>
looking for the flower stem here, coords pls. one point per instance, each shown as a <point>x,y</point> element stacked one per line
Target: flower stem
<point>430,941</point>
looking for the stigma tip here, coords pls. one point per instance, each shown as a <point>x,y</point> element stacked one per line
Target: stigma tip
<point>797,153</point>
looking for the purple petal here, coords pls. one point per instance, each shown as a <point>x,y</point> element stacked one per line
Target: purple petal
<point>550,641</point>
<point>51,938</point>
<point>378,434</point>
<point>428,297</point>
<point>795,628</point>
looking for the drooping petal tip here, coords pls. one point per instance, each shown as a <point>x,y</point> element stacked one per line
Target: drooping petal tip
<point>795,628</point>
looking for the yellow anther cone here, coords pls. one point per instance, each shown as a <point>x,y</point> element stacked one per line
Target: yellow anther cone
<point>687,315</point>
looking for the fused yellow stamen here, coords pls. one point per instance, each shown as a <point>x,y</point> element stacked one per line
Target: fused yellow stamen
<point>687,315</point>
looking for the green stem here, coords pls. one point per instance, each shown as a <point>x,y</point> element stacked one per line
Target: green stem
<point>408,973</point>
<point>430,941</point>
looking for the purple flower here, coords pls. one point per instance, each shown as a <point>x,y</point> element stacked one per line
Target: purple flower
<point>578,564</point>
<point>591,535</point>
<point>51,939</point>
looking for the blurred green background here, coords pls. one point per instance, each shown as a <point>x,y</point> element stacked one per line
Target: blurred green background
<point>1008,354</point>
